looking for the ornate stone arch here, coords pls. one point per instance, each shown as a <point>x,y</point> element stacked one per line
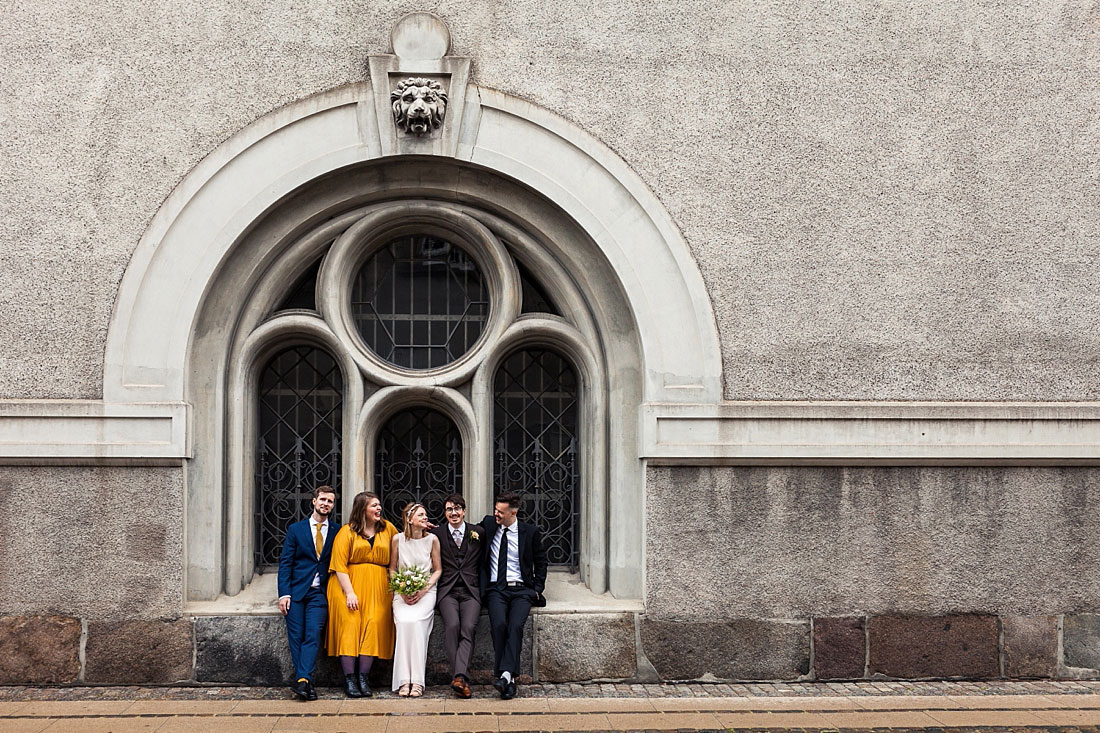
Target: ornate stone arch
<point>271,199</point>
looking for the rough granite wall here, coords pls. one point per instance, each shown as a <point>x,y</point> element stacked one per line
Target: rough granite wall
<point>886,200</point>
<point>727,543</point>
<point>94,543</point>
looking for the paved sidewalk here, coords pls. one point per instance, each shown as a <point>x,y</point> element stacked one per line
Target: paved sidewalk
<point>974,706</point>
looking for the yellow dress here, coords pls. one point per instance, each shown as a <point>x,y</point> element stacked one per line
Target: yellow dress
<point>368,631</point>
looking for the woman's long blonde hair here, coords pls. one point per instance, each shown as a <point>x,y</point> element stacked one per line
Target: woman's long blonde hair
<point>406,517</point>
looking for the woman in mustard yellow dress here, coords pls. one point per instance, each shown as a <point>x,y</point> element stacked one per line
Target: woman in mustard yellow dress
<point>360,610</point>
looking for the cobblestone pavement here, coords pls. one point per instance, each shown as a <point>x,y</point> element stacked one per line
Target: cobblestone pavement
<point>849,707</point>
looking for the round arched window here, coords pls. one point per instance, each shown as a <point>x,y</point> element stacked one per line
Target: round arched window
<point>420,302</point>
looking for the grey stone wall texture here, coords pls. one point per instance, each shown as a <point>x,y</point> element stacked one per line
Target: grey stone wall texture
<point>92,543</point>
<point>806,542</point>
<point>887,201</point>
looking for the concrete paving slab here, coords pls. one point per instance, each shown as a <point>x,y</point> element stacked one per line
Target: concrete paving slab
<point>663,721</point>
<point>11,708</point>
<point>392,705</point>
<point>287,707</point>
<point>105,725</point>
<point>331,724</point>
<point>206,724</point>
<point>600,705</point>
<point>877,719</point>
<point>181,707</point>
<point>787,704</point>
<point>906,702</point>
<point>496,705</point>
<point>1069,717</point>
<point>960,718</point>
<point>588,721</point>
<point>770,720</point>
<point>441,724</point>
<point>58,708</point>
<point>987,702</point>
<point>26,725</point>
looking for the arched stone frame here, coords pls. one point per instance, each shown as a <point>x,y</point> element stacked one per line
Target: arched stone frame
<point>260,345</point>
<point>224,224</point>
<point>388,401</point>
<point>554,333</point>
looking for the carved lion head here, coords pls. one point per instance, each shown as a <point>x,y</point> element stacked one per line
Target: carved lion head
<point>418,105</point>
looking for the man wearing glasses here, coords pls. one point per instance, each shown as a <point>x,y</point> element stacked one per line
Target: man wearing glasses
<point>458,596</point>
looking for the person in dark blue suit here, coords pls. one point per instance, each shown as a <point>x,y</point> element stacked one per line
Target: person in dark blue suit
<point>303,573</point>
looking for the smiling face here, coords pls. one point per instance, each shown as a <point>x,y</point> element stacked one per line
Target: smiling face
<point>455,514</point>
<point>419,518</point>
<point>322,505</point>
<point>374,510</point>
<point>504,513</point>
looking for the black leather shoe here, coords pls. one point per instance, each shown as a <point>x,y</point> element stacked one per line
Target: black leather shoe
<point>502,687</point>
<point>510,691</point>
<point>364,685</point>
<point>351,686</point>
<point>299,689</point>
<point>311,694</point>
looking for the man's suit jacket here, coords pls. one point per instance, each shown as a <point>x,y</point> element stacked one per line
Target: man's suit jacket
<point>532,555</point>
<point>460,565</point>
<point>298,562</point>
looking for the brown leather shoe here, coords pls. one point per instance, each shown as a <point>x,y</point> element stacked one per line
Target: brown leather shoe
<point>461,686</point>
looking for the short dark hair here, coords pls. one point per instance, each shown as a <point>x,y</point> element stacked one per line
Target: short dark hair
<point>455,499</point>
<point>510,498</point>
<point>324,490</point>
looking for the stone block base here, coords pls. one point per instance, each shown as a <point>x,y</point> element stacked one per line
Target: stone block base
<point>739,649</point>
<point>840,648</point>
<point>917,647</point>
<point>39,650</point>
<point>138,652</point>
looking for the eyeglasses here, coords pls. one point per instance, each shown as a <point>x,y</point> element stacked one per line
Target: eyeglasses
<point>454,509</point>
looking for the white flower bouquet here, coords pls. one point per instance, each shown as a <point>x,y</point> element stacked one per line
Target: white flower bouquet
<point>409,579</point>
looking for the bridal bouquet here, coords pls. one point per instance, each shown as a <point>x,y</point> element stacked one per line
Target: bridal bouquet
<point>409,579</point>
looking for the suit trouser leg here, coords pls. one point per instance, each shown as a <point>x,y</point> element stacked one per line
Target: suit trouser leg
<point>519,607</point>
<point>316,613</point>
<point>295,627</point>
<point>449,610</point>
<point>469,608</point>
<point>497,606</point>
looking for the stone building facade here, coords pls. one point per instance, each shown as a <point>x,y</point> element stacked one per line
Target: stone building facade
<point>783,317</point>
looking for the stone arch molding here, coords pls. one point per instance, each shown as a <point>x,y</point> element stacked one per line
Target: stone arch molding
<point>196,228</point>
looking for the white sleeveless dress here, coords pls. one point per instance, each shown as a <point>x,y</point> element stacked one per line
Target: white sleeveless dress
<point>414,623</point>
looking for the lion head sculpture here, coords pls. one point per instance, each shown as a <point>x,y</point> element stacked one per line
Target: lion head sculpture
<point>418,105</point>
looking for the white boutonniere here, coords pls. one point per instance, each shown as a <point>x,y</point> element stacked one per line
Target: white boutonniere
<point>474,535</point>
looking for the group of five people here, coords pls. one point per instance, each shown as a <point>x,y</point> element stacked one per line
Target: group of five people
<point>341,579</point>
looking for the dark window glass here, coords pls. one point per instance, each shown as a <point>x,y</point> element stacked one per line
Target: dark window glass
<point>535,445</point>
<point>301,396</point>
<point>535,299</point>
<point>303,295</point>
<point>418,458</point>
<point>420,302</point>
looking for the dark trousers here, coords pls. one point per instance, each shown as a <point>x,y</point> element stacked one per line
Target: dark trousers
<point>304,623</point>
<point>459,610</point>
<point>508,610</point>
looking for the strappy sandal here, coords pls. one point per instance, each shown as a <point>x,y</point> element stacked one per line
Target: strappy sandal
<point>404,690</point>
<point>416,691</point>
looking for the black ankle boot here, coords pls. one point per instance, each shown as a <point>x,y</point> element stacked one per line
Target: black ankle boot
<point>351,686</point>
<point>364,686</point>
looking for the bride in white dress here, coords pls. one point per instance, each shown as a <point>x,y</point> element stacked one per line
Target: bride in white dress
<point>414,615</point>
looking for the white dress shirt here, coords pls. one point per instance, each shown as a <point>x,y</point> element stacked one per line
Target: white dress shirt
<point>514,575</point>
<point>324,538</point>
<point>461,529</point>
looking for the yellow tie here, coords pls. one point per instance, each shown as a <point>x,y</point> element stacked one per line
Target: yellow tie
<point>319,541</point>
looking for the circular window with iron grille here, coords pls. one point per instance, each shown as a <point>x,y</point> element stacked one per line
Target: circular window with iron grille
<point>419,302</point>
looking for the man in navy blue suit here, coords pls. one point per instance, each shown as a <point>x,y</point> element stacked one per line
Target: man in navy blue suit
<point>303,572</point>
